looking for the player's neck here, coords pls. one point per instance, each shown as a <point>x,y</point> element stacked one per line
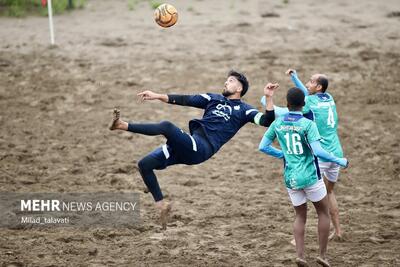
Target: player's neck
<point>315,92</point>
<point>295,109</point>
<point>233,97</point>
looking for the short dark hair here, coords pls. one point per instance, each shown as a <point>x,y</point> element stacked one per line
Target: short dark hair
<point>295,98</point>
<point>323,81</point>
<point>242,79</point>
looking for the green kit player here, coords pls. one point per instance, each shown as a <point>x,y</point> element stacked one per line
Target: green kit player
<point>320,107</point>
<point>299,140</point>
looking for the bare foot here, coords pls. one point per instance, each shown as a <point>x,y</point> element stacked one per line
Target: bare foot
<point>335,237</point>
<point>323,262</point>
<point>164,213</point>
<point>301,263</point>
<point>115,121</point>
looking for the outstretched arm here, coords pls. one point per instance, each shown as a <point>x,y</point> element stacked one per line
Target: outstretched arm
<point>322,153</point>
<point>296,80</point>
<point>149,95</point>
<point>198,101</point>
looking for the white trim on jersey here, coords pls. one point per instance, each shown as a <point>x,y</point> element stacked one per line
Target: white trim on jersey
<point>250,111</point>
<point>257,118</point>
<point>194,143</point>
<point>206,96</point>
<point>165,151</point>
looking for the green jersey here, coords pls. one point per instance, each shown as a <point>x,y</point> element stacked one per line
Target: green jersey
<point>295,134</point>
<point>323,109</point>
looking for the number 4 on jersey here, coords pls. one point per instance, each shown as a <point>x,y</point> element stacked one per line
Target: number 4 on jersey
<point>331,118</point>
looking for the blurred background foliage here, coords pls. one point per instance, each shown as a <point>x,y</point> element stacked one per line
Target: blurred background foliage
<point>21,8</point>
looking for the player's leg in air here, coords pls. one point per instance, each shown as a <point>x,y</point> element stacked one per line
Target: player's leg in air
<point>224,114</point>
<point>330,172</point>
<point>178,149</point>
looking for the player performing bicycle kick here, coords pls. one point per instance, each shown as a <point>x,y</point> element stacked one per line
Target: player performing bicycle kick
<point>224,114</point>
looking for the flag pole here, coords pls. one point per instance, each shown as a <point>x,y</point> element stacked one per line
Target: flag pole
<point>50,11</point>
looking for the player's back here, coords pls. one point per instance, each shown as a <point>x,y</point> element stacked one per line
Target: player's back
<point>323,107</point>
<point>295,133</point>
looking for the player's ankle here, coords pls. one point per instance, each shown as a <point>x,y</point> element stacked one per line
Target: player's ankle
<point>121,125</point>
<point>160,204</point>
<point>322,256</point>
<point>300,255</point>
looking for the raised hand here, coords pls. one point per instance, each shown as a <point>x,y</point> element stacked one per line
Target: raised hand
<point>270,88</point>
<point>290,71</point>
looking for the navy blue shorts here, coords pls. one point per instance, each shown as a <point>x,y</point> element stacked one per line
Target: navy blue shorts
<point>183,149</point>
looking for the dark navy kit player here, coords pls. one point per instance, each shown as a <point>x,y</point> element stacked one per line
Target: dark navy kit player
<point>224,114</point>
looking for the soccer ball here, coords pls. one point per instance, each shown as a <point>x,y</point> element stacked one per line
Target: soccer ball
<point>166,15</point>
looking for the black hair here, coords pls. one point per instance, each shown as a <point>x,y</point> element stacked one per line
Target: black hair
<point>323,81</point>
<point>242,79</point>
<point>295,98</point>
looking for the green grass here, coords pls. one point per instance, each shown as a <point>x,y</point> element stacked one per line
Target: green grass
<point>21,8</point>
<point>154,4</point>
<point>132,4</point>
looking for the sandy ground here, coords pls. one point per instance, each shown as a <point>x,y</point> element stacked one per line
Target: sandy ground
<point>232,210</point>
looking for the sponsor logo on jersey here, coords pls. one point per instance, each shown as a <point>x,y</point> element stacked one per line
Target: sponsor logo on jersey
<point>289,128</point>
<point>224,111</point>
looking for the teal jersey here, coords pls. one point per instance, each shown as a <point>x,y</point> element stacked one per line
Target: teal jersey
<point>295,134</point>
<point>324,113</point>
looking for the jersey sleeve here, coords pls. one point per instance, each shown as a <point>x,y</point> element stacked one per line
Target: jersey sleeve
<point>266,147</point>
<point>298,83</point>
<point>259,118</point>
<point>251,113</point>
<point>322,153</point>
<point>197,101</point>
<point>306,108</point>
<point>270,133</point>
<point>312,133</point>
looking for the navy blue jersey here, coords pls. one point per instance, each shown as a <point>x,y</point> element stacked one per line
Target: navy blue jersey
<point>222,117</point>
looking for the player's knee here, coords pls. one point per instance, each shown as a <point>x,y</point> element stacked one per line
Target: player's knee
<point>148,164</point>
<point>144,165</point>
<point>141,165</point>
<point>301,219</point>
<point>166,125</point>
